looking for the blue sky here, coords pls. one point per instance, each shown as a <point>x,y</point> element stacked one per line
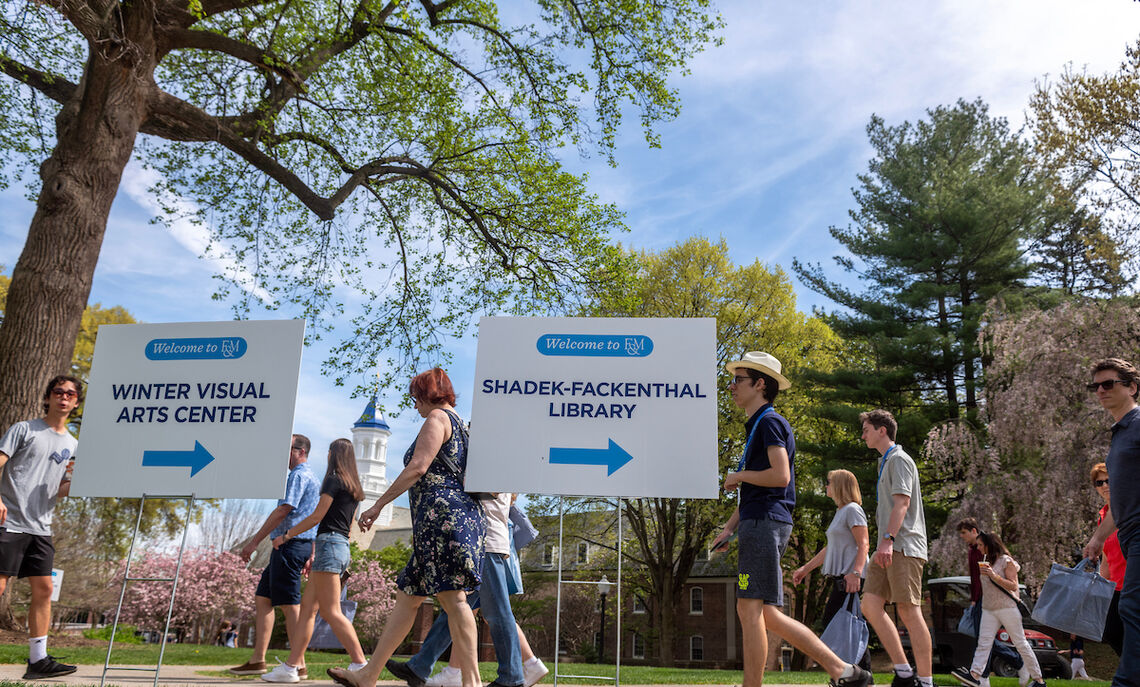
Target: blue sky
<point>764,153</point>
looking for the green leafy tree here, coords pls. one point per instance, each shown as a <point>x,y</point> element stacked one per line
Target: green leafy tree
<point>943,215</point>
<point>1087,127</point>
<point>403,149</point>
<point>755,309</point>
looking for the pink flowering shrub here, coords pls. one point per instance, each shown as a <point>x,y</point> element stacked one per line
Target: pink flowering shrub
<point>374,590</point>
<point>1026,476</point>
<point>212,586</point>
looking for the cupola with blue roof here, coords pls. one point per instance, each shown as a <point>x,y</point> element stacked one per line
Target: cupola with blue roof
<point>370,441</point>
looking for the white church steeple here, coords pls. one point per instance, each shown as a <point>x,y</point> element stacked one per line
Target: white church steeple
<point>370,441</point>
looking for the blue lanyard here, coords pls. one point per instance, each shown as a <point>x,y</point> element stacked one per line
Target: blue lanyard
<point>751,435</point>
<point>883,465</point>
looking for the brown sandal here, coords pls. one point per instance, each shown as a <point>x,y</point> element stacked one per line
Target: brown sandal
<point>341,677</point>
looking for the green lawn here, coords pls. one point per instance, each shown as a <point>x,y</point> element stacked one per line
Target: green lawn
<point>318,661</point>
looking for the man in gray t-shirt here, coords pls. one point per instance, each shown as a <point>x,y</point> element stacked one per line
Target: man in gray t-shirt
<point>36,459</point>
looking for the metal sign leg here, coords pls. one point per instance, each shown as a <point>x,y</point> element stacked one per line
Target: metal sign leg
<point>127,579</point>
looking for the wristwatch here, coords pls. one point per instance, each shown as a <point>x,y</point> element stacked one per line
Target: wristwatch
<point>889,536</point>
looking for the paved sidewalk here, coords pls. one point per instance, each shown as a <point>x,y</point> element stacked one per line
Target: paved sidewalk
<point>193,676</point>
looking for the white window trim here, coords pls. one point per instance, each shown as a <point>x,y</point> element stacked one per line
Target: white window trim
<point>702,595</point>
<point>633,646</point>
<point>693,638</point>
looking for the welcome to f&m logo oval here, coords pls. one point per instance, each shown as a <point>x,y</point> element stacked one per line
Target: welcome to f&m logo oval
<point>596,345</point>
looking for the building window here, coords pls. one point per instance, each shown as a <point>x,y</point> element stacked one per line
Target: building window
<point>696,601</point>
<point>548,554</point>
<point>638,605</point>
<point>638,646</point>
<point>703,555</point>
<point>696,648</point>
<point>583,552</point>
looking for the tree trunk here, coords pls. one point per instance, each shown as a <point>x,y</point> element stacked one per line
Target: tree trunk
<point>668,606</point>
<point>95,136</point>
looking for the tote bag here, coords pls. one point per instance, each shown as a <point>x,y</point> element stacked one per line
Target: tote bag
<point>847,633</point>
<point>1075,600</point>
<point>966,624</point>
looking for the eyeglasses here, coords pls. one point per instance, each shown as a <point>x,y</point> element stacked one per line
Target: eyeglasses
<point>1107,384</point>
<point>738,379</point>
<point>64,393</point>
<point>1100,482</point>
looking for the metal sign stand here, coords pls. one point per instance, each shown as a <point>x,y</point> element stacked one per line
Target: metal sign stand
<point>558,607</point>
<point>127,578</point>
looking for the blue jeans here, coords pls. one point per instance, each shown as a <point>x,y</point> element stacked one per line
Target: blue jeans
<point>493,597</point>
<point>1004,650</point>
<point>1128,672</point>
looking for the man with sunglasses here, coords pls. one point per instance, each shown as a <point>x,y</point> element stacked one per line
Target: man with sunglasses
<point>280,583</point>
<point>1116,384</point>
<point>766,478</point>
<point>36,458</point>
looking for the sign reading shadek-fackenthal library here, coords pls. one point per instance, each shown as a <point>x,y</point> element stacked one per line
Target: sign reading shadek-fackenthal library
<point>202,408</point>
<point>595,407</point>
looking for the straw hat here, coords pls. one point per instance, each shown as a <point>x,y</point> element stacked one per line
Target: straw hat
<point>759,360</point>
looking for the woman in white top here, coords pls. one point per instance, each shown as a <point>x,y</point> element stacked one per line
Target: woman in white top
<point>844,558</point>
<point>999,609</point>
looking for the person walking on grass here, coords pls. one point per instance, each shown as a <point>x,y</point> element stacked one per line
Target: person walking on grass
<point>340,494</point>
<point>280,584</point>
<point>36,457</point>
<point>900,555</point>
<point>766,480</point>
<point>999,609</point>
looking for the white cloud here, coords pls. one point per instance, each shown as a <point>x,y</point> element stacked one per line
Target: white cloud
<point>136,184</point>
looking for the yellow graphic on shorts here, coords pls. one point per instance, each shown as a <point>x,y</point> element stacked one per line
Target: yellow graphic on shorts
<point>743,581</point>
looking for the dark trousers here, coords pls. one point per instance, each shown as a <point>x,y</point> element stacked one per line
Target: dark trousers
<point>1128,672</point>
<point>1113,627</point>
<point>835,600</point>
<point>1004,650</point>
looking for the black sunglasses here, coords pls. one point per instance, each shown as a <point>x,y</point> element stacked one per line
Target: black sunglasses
<point>1107,384</point>
<point>1100,482</point>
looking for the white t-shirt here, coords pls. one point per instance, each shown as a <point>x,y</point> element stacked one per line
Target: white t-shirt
<point>496,516</point>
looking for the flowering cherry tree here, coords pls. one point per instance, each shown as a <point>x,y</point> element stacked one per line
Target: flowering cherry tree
<point>212,585</point>
<point>374,590</point>
<point>1025,475</point>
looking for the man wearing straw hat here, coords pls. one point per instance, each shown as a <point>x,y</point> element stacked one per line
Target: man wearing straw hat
<point>766,478</point>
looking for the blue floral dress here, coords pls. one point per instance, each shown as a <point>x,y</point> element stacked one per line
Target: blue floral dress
<point>447,526</point>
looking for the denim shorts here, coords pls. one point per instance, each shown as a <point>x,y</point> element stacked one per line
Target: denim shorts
<point>332,553</point>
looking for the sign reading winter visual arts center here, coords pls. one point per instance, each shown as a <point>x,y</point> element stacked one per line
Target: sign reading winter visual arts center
<point>595,407</point>
<point>203,408</point>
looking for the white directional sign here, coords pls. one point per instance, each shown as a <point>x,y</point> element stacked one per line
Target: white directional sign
<point>203,408</point>
<point>595,407</point>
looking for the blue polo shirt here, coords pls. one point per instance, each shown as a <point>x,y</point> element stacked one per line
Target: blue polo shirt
<point>302,492</point>
<point>768,503</point>
<point>1124,477</point>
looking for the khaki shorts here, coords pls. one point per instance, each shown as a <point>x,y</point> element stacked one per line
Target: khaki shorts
<point>900,583</point>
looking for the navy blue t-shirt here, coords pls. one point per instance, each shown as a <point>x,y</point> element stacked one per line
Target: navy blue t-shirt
<point>768,503</point>
<point>1124,477</point>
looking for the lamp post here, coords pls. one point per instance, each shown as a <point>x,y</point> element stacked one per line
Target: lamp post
<point>604,588</point>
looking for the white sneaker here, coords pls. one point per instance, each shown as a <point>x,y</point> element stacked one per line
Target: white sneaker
<point>357,666</point>
<point>1023,675</point>
<point>983,682</point>
<point>533,671</point>
<point>448,677</point>
<point>282,673</point>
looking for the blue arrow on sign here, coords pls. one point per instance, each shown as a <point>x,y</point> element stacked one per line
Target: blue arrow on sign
<point>195,460</point>
<point>613,457</point>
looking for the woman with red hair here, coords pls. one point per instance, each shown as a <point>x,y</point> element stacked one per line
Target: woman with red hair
<point>447,533</point>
